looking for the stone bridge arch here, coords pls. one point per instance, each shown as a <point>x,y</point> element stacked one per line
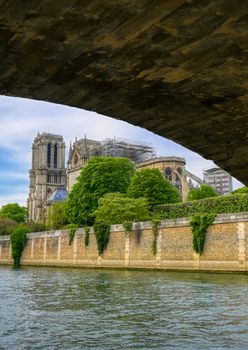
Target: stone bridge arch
<point>176,67</point>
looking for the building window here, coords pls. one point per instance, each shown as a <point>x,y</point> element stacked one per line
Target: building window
<point>168,173</point>
<point>49,155</point>
<point>55,162</point>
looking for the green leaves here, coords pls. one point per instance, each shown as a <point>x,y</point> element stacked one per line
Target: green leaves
<point>57,215</point>
<point>102,230</point>
<point>216,205</point>
<point>150,184</point>
<point>18,240</point>
<point>7,226</point>
<point>72,228</point>
<point>241,190</point>
<point>116,208</point>
<point>14,211</point>
<point>200,225</point>
<point>204,191</point>
<point>86,236</point>
<point>100,176</point>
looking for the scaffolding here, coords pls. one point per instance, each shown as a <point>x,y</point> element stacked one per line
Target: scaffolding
<point>123,148</point>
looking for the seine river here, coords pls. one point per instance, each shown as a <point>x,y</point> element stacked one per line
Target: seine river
<point>53,308</point>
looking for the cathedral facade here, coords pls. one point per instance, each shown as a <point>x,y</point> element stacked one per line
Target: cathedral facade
<point>50,181</point>
<point>47,173</point>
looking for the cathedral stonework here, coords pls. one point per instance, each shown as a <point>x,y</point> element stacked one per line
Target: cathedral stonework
<point>46,174</point>
<point>50,181</point>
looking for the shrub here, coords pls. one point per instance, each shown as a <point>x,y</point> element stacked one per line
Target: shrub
<point>204,191</point>
<point>116,208</point>
<point>216,205</point>
<point>241,190</point>
<point>18,240</point>
<point>7,226</point>
<point>57,216</point>
<point>36,226</point>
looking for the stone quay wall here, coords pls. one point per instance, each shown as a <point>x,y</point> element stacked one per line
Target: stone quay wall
<point>226,247</point>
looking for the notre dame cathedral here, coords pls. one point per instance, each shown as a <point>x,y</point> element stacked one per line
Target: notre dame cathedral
<point>50,180</point>
<point>47,173</point>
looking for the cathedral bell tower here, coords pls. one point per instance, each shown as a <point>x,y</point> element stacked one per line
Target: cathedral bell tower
<point>47,172</point>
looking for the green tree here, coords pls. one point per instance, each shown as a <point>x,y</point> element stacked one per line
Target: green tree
<point>151,184</point>
<point>204,191</point>
<point>14,211</point>
<point>241,190</point>
<point>7,226</point>
<point>57,218</point>
<point>116,208</point>
<point>101,175</point>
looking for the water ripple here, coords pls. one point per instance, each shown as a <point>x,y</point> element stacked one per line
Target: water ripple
<point>49,308</point>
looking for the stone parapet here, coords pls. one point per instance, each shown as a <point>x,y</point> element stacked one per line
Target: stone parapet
<point>226,247</point>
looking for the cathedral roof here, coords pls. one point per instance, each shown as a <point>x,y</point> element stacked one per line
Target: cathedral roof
<point>59,195</point>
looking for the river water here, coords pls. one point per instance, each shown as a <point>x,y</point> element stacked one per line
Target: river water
<point>53,308</point>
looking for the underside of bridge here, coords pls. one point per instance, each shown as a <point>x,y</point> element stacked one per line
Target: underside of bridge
<point>176,67</point>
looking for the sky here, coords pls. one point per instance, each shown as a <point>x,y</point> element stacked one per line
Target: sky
<point>21,120</point>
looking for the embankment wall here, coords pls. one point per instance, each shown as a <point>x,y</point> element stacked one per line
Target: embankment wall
<point>226,247</point>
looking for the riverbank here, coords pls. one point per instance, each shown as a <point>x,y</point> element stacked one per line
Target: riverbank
<point>226,247</point>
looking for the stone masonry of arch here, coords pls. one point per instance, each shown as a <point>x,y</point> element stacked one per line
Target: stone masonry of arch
<point>177,68</point>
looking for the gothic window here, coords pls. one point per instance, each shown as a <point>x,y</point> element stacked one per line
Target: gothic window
<point>178,183</point>
<point>168,173</point>
<point>55,162</point>
<point>55,178</point>
<point>49,155</point>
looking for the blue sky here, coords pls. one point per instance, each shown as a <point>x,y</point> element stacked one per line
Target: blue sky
<point>21,119</point>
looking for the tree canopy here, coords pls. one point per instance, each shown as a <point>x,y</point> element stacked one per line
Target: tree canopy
<point>14,211</point>
<point>7,226</point>
<point>116,208</point>
<point>151,184</point>
<point>100,176</point>
<point>204,191</point>
<point>57,216</point>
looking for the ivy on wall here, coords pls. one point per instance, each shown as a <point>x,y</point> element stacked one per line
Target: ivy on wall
<point>86,236</point>
<point>102,231</point>
<point>18,240</point>
<point>127,225</point>
<point>200,225</point>
<point>155,226</point>
<point>72,228</point>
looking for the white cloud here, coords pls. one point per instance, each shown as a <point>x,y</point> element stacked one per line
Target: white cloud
<point>13,176</point>
<point>20,198</point>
